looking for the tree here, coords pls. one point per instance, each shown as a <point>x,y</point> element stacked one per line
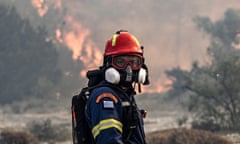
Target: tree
<point>28,66</point>
<point>214,87</point>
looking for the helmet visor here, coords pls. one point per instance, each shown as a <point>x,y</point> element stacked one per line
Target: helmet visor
<point>121,61</point>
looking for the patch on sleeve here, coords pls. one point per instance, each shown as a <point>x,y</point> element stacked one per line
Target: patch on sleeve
<point>107,95</point>
<point>108,104</point>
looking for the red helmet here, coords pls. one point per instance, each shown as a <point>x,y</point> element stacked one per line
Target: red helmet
<point>122,43</point>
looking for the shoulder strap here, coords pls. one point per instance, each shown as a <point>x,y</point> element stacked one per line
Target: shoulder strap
<point>80,130</point>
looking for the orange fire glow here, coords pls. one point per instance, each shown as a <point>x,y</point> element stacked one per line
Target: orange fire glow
<point>41,6</point>
<point>76,38</point>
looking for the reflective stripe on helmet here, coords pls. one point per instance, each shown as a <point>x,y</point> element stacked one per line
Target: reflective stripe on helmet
<point>106,124</point>
<point>114,39</point>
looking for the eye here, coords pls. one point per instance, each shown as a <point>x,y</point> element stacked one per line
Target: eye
<point>135,62</point>
<point>119,61</point>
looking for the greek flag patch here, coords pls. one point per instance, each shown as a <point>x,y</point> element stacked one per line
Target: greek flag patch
<point>108,104</point>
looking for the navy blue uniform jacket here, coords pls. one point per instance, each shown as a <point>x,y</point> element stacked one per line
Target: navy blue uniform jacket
<point>104,114</point>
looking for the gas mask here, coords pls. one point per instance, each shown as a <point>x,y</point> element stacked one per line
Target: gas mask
<point>126,76</point>
<point>126,70</point>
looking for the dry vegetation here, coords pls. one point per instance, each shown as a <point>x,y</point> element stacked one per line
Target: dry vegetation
<point>36,133</point>
<point>186,136</point>
<point>12,136</point>
<point>169,136</point>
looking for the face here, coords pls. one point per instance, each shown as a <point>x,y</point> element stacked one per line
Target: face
<point>122,61</point>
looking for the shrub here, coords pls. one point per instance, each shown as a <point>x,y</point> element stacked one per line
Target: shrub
<point>206,125</point>
<point>186,136</point>
<point>46,131</point>
<point>11,136</point>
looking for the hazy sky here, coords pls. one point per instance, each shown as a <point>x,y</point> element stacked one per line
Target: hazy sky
<point>165,28</point>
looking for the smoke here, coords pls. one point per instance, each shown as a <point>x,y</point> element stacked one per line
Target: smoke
<point>164,28</point>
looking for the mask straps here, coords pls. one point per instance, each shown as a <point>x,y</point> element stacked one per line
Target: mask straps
<point>139,87</point>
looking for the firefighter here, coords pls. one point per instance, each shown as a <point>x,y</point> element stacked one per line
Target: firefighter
<point>111,111</point>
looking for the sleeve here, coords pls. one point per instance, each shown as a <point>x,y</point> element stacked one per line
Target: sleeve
<point>104,111</point>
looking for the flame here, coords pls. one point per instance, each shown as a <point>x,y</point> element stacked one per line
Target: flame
<point>41,6</point>
<point>76,38</point>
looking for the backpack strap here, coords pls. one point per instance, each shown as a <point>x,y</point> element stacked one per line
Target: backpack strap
<point>81,132</point>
